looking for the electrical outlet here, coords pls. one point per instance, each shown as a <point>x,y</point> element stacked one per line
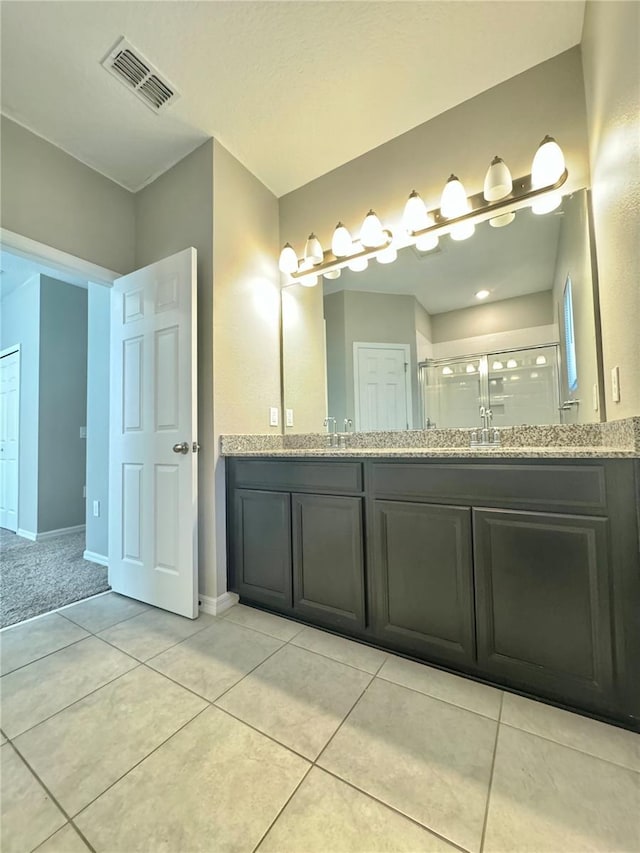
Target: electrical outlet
<point>273,416</point>
<point>289,417</point>
<point>96,509</point>
<point>83,432</point>
<point>615,384</point>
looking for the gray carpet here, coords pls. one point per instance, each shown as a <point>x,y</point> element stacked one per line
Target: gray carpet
<point>36,577</point>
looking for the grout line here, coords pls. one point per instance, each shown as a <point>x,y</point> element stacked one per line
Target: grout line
<point>107,627</point>
<point>49,654</point>
<point>76,701</point>
<point>50,612</point>
<point>280,811</point>
<point>264,734</point>
<point>265,633</point>
<point>137,764</point>
<point>392,808</point>
<point>344,719</point>
<point>493,764</point>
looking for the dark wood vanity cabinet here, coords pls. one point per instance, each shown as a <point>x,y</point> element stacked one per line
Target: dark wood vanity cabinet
<point>524,573</point>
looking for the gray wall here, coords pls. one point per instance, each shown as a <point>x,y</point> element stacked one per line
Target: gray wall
<point>97,479</point>
<point>20,312</point>
<point>610,49</point>
<point>49,196</point>
<point>63,405</point>
<point>173,213</point>
<point>520,312</point>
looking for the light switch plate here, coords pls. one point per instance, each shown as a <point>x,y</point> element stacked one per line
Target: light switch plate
<point>289,417</point>
<point>615,384</point>
<point>273,416</point>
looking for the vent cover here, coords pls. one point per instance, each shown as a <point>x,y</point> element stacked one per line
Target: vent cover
<point>127,64</point>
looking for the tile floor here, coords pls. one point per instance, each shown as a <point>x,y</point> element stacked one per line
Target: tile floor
<point>125,729</point>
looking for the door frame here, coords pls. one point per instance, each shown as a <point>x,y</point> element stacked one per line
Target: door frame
<point>15,348</point>
<point>357,346</point>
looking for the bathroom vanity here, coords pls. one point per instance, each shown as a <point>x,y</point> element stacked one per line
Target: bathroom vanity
<point>519,567</point>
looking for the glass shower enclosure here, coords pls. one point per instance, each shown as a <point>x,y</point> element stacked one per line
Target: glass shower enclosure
<point>519,386</point>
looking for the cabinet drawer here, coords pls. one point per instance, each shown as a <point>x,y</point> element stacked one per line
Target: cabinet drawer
<point>296,476</point>
<point>558,487</point>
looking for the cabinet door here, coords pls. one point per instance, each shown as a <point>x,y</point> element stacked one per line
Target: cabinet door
<point>262,546</point>
<point>424,580</point>
<point>543,603</point>
<point>328,559</point>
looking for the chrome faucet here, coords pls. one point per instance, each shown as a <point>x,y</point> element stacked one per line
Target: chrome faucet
<point>343,437</point>
<point>488,437</point>
<point>332,435</point>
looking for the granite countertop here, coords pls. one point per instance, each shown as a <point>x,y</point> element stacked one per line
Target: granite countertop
<point>613,439</point>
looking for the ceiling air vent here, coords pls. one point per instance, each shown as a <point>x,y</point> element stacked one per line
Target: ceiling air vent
<point>134,71</point>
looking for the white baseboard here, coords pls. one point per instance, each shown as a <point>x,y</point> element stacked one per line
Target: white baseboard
<point>216,606</point>
<point>62,531</point>
<point>26,534</point>
<point>92,557</point>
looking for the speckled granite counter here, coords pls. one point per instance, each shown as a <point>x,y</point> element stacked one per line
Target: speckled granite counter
<point>615,439</point>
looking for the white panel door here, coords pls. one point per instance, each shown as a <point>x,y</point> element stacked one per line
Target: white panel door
<point>9,434</point>
<point>382,389</point>
<point>152,464</point>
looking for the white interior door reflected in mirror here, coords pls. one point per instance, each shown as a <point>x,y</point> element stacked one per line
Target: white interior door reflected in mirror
<point>153,489</point>
<point>382,389</point>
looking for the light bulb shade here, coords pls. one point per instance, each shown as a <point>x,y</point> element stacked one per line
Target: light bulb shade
<point>288,259</point>
<point>471,368</point>
<point>546,203</point>
<point>548,164</point>
<point>308,281</point>
<point>415,216</point>
<point>462,231</point>
<point>332,274</point>
<point>498,182</point>
<point>454,201</point>
<point>502,220</point>
<point>358,265</point>
<point>446,371</point>
<point>313,250</point>
<point>482,294</point>
<point>497,365</point>
<point>387,256</point>
<point>512,363</point>
<point>342,241</point>
<point>372,234</point>
<point>541,359</point>
<point>426,242</point>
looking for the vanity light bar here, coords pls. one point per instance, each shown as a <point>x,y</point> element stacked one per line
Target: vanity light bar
<point>548,174</point>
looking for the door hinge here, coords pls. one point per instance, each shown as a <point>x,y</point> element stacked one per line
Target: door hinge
<point>406,366</point>
<point>195,447</point>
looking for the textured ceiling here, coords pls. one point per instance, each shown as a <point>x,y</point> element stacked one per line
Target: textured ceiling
<point>292,89</point>
<point>510,261</point>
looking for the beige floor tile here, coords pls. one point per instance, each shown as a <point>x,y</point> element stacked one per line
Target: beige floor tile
<point>346,651</point>
<point>443,685</point>
<point>153,632</point>
<point>102,612</point>
<point>326,814</point>
<point>32,640</point>
<point>297,697</point>
<point>46,686</point>
<point>215,786</point>
<point>82,750</point>
<point>65,840</point>
<point>596,738</point>
<point>215,659</point>
<point>426,758</point>
<point>546,798</point>
<point>29,815</point>
<point>259,620</point>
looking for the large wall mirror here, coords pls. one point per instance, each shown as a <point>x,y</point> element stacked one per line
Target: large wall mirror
<point>506,319</point>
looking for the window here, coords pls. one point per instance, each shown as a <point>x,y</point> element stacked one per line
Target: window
<point>569,338</point>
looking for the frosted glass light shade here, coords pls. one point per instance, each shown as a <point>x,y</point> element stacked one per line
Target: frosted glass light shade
<point>288,259</point>
<point>308,281</point>
<point>497,365</point>
<point>332,274</point>
<point>548,164</point>
<point>342,241</point>
<point>372,234</point>
<point>512,363</point>
<point>498,182</point>
<point>387,256</point>
<point>446,371</point>
<point>541,359</point>
<point>426,242</point>
<point>462,231</point>
<point>313,250</point>
<point>502,220</point>
<point>546,203</point>
<point>358,265</point>
<point>471,368</point>
<point>454,201</point>
<point>415,216</point>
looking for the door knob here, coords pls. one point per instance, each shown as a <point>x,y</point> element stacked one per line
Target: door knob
<point>181,447</point>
